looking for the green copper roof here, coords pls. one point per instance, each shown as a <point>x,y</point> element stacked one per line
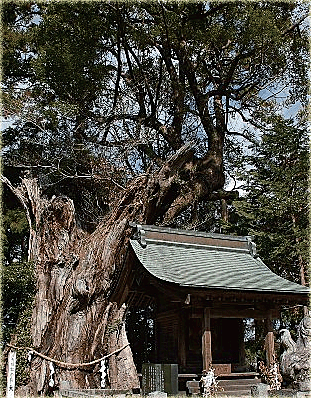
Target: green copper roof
<point>208,266</point>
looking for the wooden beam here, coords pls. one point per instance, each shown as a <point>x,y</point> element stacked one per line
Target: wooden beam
<point>242,313</point>
<point>206,339</point>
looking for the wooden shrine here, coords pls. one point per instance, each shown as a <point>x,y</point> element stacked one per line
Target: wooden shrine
<point>202,286</point>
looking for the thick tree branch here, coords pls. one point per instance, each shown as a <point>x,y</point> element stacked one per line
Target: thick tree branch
<point>220,116</point>
<point>20,196</point>
<point>119,71</point>
<point>238,133</point>
<point>244,118</point>
<point>235,62</point>
<point>295,25</point>
<point>178,94</point>
<point>159,84</point>
<point>152,103</point>
<point>221,194</point>
<point>136,86</point>
<point>199,97</point>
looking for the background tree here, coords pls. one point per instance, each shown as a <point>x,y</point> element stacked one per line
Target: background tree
<point>124,112</point>
<point>140,330</point>
<point>274,209</point>
<point>274,206</point>
<point>17,277</point>
<point>18,281</point>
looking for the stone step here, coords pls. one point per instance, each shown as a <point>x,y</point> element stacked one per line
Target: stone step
<point>239,375</point>
<point>91,393</point>
<point>235,388</point>
<point>238,382</point>
<point>229,394</point>
<point>193,387</point>
<point>228,387</point>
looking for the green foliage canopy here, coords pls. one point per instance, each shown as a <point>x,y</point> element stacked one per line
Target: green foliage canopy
<point>129,83</point>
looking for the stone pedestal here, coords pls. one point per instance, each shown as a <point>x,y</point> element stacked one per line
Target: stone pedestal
<point>284,393</point>
<point>260,390</point>
<point>303,394</point>
<point>157,394</point>
<point>304,386</point>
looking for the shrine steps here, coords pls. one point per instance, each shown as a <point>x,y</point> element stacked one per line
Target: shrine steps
<point>236,387</point>
<point>231,385</point>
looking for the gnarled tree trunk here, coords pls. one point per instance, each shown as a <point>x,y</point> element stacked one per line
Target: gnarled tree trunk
<point>73,320</point>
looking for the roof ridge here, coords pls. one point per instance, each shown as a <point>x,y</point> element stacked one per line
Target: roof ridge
<point>197,245</point>
<point>179,231</point>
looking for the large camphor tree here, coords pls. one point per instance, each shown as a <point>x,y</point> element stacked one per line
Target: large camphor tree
<point>127,112</point>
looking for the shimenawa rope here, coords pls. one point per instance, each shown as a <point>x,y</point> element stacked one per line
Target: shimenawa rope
<point>67,364</point>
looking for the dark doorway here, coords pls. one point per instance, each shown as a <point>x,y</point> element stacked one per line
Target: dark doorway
<point>226,340</point>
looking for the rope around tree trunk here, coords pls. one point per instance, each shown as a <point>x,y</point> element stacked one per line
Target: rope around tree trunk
<point>67,364</point>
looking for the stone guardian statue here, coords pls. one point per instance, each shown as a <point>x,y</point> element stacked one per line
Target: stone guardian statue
<point>295,361</point>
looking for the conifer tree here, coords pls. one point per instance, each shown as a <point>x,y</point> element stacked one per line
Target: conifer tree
<point>275,205</point>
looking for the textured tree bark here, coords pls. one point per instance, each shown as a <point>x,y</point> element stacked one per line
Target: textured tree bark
<point>73,320</point>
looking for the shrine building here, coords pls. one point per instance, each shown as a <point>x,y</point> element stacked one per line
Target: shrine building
<point>202,286</point>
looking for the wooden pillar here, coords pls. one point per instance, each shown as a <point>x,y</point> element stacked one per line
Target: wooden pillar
<point>269,341</point>
<point>206,339</point>
<point>183,329</point>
